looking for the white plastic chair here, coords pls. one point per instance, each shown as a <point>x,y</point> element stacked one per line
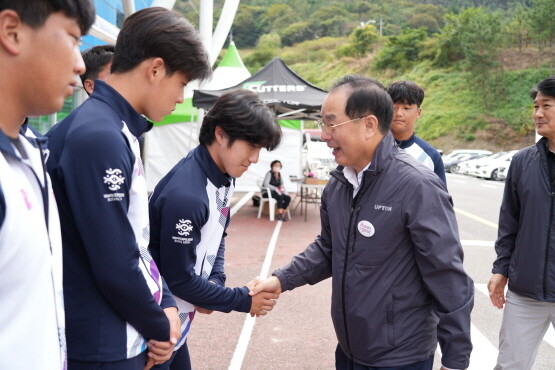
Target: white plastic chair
<point>271,201</point>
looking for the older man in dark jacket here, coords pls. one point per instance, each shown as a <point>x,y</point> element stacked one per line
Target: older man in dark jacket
<point>389,238</point>
<point>526,242</point>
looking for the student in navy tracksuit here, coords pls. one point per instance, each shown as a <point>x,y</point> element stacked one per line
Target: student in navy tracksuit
<point>189,212</point>
<point>407,98</point>
<point>114,296</point>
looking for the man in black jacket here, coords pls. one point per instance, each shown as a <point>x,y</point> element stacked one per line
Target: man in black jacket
<point>526,242</point>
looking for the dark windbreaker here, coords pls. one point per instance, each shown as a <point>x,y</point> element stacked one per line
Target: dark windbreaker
<point>401,288</point>
<point>526,240</point>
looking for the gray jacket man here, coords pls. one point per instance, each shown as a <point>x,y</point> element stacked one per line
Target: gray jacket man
<point>389,239</point>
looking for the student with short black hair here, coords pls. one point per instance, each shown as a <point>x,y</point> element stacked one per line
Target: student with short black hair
<point>190,212</point>
<point>98,61</point>
<point>39,41</point>
<point>114,295</point>
<point>407,98</point>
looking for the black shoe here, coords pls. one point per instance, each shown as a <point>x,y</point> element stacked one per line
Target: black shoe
<point>284,218</point>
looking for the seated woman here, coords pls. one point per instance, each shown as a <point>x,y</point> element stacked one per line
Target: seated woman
<point>274,182</point>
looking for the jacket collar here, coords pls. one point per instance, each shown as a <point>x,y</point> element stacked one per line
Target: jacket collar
<point>542,146</point>
<point>23,128</point>
<point>6,146</point>
<point>136,123</point>
<point>216,177</point>
<point>403,144</point>
<point>385,151</point>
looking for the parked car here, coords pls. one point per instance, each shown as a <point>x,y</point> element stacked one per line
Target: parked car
<point>473,166</point>
<point>450,163</point>
<point>457,152</point>
<point>502,173</point>
<point>465,167</point>
<point>491,170</point>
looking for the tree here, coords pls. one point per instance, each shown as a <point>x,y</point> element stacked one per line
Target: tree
<point>475,36</point>
<point>267,48</point>
<point>362,40</point>
<point>425,21</point>
<point>541,24</point>
<point>402,51</point>
<point>248,25</point>
<point>279,16</point>
<point>330,20</point>
<point>296,32</point>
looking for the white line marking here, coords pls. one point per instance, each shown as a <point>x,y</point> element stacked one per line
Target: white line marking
<point>478,243</point>
<point>241,203</point>
<point>460,181</point>
<point>476,218</point>
<point>246,332</point>
<point>488,186</point>
<point>483,355</point>
<point>549,335</point>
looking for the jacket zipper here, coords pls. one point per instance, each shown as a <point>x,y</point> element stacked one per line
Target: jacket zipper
<point>354,231</point>
<point>343,282</point>
<point>552,196</point>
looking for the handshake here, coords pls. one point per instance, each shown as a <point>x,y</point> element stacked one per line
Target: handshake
<point>264,294</point>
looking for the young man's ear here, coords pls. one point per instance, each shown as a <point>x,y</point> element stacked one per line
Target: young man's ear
<point>10,31</point>
<point>156,69</point>
<point>220,135</point>
<point>88,85</point>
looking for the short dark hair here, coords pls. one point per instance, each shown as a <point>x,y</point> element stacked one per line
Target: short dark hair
<point>242,115</point>
<point>95,59</point>
<point>160,33</point>
<point>367,96</point>
<point>406,92</point>
<point>546,87</point>
<point>35,12</point>
<point>275,162</point>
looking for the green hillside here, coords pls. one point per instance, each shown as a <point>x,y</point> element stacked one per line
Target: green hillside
<point>476,59</point>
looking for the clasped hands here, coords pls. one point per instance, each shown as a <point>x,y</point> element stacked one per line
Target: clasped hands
<point>264,294</point>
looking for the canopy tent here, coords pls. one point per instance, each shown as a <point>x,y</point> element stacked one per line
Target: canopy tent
<point>290,96</point>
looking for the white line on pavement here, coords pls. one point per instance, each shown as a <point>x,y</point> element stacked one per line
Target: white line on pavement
<point>461,181</point>
<point>246,332</point>
<point>483,355</point>
<point>241,203</point>
<point>488,186</point>
<point>477,243</point>
<point>549,335</point>
<point>476,218</point>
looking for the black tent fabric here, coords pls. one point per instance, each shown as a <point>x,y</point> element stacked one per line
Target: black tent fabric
<point>290,96</point>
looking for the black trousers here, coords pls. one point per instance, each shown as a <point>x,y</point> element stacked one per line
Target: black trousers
<point>283,200</point>
<point>342,362</point>
<point>180,360</point>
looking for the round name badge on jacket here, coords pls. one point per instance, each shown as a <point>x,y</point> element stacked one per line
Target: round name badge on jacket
<point>366,228</point>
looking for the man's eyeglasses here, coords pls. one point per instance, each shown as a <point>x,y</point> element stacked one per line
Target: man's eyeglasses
<point>327,126</point>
